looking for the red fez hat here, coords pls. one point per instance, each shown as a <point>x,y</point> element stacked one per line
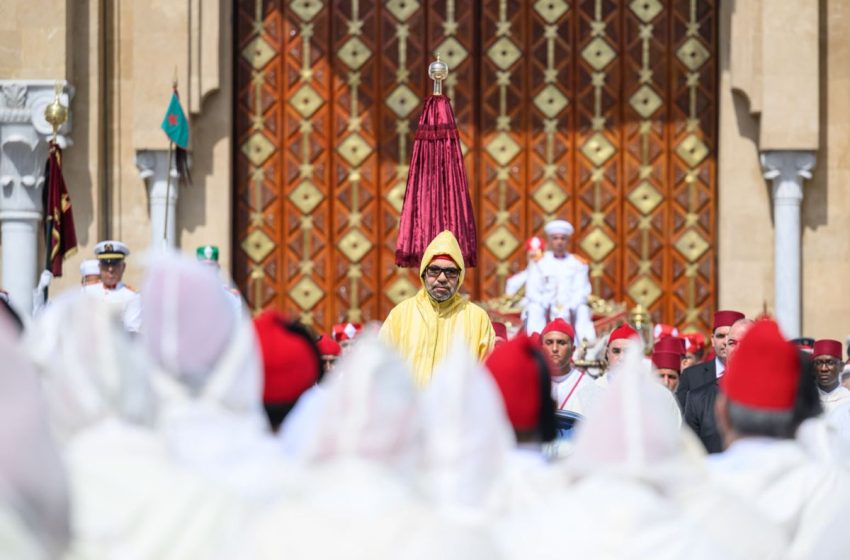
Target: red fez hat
<point>559,325</point>
<point>515,370</point>
<point>534,244</point>
<point>667,360</point>
<point>670,344</point>
<point>290,365</point>
<point>501,330</point>
<point>764,372</point>
<point>661,330</point>
<point>726,318</point>
<point>328,347</point>
<point>694,341</point>
<point>828,347</point>
<point>345,331</point>
<point>443,256</point>
<point>623,331</point>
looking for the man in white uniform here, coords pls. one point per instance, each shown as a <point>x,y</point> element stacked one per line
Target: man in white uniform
<point>572,389</point>
<point>111,255</point>
<point>828,366</point>
<point>556,286</point>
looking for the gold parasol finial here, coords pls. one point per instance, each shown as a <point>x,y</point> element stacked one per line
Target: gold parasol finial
<point>438,71</point>
<point>56,114</point>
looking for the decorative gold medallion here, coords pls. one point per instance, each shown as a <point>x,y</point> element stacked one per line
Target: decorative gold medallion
<point>400,290</point>
<point>598,53</point>
<point>598,149</point>
<point>305,101</point>
<point>551,101</point>
<point>354,149</point>
<point>645,197</point>
<point>258,148</point>
<point>504,53</point>
<point>258,52</point>
<point>258,245</point>
<point>692,150</point>
<point>693,54</point>
<point>501,243</point>
<point>306,293</point>
<point>402,101</point>
<point>645,101</point>
<point>549,196</point>
<point>354,245</point>
<point>503,148</point>
<point>646,10</point>
<point>644,291</point>
<point>306,196</point>
<point>551,10</point>
<point>354,53</point>
<point>692,245</point>
<point>597,244</point>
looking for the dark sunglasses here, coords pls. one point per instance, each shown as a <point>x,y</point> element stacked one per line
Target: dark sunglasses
<point>435,271</point>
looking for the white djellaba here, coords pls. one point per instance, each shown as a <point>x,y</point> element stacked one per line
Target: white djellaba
<point>472,469</point>
<point>34,510</point>
<point>360,500</point>
<point>208,377</point>
<point>129,500</point>
<point>636,488</point>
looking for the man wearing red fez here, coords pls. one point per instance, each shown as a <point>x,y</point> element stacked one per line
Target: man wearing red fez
<point>698,410</point>
<point>291,363</point>
<point>329,351</point>
<point>694,349</point>
<point>828,366</point>
<point>767,392</point>
<point>424,326</point>
<point>667,366</point>
<point>522,373</point>
<point>618,340</point>
<point>572,389</point>
<point>707,372</point>
<point>344,333</point>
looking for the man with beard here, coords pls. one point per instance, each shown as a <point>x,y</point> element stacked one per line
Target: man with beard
<point>423,326</point>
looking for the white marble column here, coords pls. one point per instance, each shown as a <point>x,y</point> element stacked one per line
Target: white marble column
<point>23,152</point>
<point>787,169</point>
<point>162,198</point>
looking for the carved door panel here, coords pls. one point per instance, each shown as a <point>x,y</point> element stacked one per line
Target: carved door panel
<point>600,112</point>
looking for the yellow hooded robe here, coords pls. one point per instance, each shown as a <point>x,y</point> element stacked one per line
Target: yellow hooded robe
<point>423,329</point>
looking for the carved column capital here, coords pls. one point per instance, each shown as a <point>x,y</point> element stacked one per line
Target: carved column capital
<point>24,133</point>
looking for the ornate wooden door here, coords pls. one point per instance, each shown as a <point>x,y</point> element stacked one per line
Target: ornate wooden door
<point>597,111</point>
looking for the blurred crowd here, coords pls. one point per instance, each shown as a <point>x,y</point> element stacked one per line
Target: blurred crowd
<point>208,434</point>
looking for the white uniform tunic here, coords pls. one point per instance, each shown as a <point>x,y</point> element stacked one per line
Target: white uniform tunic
<point>835,398</point>
<point>122,299</point>
<point>575,392</point>
<point>557,288</point>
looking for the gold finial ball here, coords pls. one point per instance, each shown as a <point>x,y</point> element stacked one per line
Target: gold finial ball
<point>438,70</point>
<point>56,114</point>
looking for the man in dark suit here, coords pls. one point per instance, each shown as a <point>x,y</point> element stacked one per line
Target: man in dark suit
<point>707,372</point>
<point>698,409</point>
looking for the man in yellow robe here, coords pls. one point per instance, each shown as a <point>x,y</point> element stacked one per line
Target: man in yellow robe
<point>424,326</point>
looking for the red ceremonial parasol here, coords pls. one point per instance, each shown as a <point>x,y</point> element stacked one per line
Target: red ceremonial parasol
<point>437,194</point>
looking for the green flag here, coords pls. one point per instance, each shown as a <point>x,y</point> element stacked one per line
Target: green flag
<point>174,124</point>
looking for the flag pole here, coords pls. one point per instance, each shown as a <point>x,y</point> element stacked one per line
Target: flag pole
<point>167,192</point>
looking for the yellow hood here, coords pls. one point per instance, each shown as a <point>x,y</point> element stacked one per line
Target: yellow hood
<point>444,244</point>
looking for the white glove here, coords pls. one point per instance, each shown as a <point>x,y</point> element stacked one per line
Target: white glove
<point>44,280</point>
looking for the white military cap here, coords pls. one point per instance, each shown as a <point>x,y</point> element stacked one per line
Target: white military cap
<point>562,227</point>
<point>111,250</point>
<point>89,267</point>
